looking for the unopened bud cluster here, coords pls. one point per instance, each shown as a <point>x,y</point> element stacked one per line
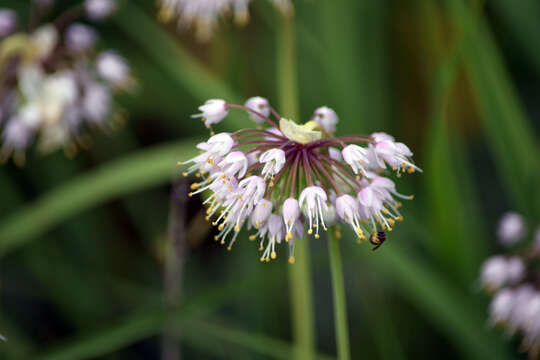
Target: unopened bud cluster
<point>288,178</point>
<point>54,85</point>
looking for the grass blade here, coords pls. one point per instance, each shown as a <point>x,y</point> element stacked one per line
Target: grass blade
<point>120,177</point>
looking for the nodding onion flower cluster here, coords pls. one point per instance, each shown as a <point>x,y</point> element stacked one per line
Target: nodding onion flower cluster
<point>203,15</point>
<point>54,86</point>
<point>514,282</point>
<point>281,179</point>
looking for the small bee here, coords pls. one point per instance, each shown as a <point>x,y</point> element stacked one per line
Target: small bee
<point>377,239</point>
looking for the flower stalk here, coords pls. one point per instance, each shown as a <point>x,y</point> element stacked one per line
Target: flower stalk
<point>340,304</point>
<point>300,284</point>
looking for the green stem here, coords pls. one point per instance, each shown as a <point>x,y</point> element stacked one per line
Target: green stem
<point>300,273</point>
<point>340,305</point>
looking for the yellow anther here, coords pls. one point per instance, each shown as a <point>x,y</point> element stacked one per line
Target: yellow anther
<point>261,248</point>
<point>358,241</point>
<point>391,222</point>
<point>179,163</point>
<point>190,194</point>
<point>317,236</point>
<point>185,174</point>
<point>194,186</point>
<point>207,218</point>
<point>291,260</point>
<point>262,259</point>
<point>229,248</point>
<point>222,242</point>
<point>220,227</point>
<point>288,237</point>
<point>223,176</point>
<point>252,237</point>
<point>257,224</point>
<point>389,228</point>
<point>273,255</point>
<point>410,170</point>
<point>236,228</point>
<point>310,231</point>
<point>216,238</point>
<point>198,175</point>
<point>412,197</point>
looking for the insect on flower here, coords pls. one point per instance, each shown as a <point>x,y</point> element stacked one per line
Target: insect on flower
<point>282,179</point>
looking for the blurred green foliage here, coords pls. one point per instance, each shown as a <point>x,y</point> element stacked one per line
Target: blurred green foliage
<point>82,240</point>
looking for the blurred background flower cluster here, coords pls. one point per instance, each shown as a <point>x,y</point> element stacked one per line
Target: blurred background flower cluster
<point>87,213</point>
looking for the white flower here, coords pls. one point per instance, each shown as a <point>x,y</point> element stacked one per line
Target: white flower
<point>313,202</point>
<point>261,213</point>
<point>397,155</point>
<point>275,234</point>
<point>219,144</point>
<point>291,213</point>
<point>377,204</point>
<point>213,150</point>
<point>501,306</point>
<point>511,228</point>
<point>260,105</point>
<point>59,91</point>
<point>348,210</point>
<point>212,112</point>
<point>8,22</point>
<point>44,41</point>
<point>273,161</point>
<point>96,102</point>
<point>203,15</point>
<point>356,157</point>
<point>99,9</point>
<point>17,135</point>
<point>327,119</point>
<point>113,68</point>
<point>335,154</point>
<point>499,271</point>
<point>80,37</point>
<point>234,164</point>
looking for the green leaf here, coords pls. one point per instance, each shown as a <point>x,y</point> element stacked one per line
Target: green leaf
<point>120,177</point>
<point>447,307</point>
<point>510,135</point>
<point>199,332</point>
<point>164,50</point>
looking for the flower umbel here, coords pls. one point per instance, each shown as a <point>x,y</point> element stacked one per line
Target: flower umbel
<point>288,177</point>
<point>514,282</point>
<point>54,86</point>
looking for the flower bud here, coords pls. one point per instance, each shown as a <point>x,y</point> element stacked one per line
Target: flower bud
<point>99,9</point>
<point>80,37</point>
<point>327,119</point>
<point>8,22</point>
<point>260,105</point>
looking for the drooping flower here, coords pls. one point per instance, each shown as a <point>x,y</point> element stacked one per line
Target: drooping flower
<point>55,89</point>
<point>212,112</point>
<point>397,155</point>
<point>288,177</point>
<point>203,15</point>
